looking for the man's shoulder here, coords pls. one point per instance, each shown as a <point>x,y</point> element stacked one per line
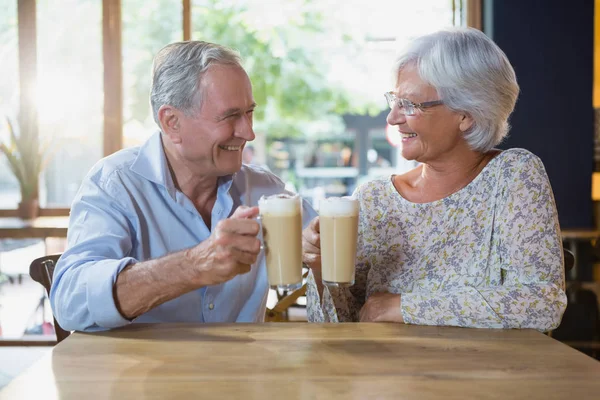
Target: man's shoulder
<point>118,163</point>
<point>260,176</point>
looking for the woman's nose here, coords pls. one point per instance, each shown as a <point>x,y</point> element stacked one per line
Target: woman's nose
<point>395,117</point>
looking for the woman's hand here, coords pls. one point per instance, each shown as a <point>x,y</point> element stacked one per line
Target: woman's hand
<point>311,252</point>
<point>311,246</point>
<point>382,307</point>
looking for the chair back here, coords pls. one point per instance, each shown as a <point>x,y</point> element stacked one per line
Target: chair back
<point>279,313</point>
<point>41,270</point>
<point>569,259</point>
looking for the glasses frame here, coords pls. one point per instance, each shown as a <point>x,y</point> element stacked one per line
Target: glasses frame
<point>406,106</point>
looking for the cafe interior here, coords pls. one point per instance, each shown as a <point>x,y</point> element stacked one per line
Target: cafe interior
<point>75,85</point>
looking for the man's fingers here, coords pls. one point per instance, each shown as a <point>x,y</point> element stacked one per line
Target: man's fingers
<point>244,268</point>
<point>238,226</point>
<point>247,244</point>
<point>243,257</point>
<point>245,212</point>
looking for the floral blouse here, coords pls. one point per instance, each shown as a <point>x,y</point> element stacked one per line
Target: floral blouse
<point>487,256</point>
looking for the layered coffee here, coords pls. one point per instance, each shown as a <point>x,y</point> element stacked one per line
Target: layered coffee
<point>281,219</point>
<point>338,219</point>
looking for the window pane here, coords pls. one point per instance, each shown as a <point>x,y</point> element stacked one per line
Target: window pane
<point>148,25</point>
<point>70,93</point>
<point>9,96</point>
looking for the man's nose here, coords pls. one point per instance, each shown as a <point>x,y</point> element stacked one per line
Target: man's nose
<point>244,129</point>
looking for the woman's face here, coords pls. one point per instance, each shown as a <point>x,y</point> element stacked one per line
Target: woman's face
<point>431,133</point>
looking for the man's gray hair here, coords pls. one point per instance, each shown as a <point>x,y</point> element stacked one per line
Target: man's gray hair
<point>177,73</point>
<point>471,75</point>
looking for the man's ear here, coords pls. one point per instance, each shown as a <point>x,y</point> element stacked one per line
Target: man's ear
<point>169,122</point>
<point>466,122</point>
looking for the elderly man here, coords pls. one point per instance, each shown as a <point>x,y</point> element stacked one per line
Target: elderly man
<point>166,232</point>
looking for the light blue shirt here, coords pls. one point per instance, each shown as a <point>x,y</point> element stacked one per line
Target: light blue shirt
<point>128,210</point>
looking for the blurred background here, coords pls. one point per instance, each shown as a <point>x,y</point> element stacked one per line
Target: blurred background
<point>75,79</point>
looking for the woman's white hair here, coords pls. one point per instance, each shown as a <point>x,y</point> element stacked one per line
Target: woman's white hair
<point>177,74</point>
<point>472,75</point>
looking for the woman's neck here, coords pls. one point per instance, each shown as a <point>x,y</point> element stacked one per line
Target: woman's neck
<point>448,174</point>
<point>436,180</point>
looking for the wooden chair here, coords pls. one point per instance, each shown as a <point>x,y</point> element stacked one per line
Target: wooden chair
<point>279,313</point>
<point>41,270</point>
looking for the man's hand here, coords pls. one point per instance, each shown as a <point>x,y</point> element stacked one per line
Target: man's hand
<point>311,246</point>
<point>229,251</point>
<point>382,307</point>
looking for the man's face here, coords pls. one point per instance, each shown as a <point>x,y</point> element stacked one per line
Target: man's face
<point>212,140</point>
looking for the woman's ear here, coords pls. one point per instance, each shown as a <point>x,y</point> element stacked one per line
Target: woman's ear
<point>170,123</point>
<point>466,122</point>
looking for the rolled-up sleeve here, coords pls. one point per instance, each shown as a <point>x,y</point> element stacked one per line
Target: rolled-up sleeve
<point>100,240</point>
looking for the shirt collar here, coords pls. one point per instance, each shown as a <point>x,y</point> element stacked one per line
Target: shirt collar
<point>151,164</point>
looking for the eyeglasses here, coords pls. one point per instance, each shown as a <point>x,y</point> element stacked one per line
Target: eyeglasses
<point>407,107</point>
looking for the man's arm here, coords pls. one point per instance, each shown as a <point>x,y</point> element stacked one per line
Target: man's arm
<point>228,252</point>
<point>85,295</point>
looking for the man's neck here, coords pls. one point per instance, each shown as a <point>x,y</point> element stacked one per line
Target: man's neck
<point>200,189</point>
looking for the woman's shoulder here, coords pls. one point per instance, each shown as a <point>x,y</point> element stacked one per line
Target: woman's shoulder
<point>516,166</point>
<point>518,157</point>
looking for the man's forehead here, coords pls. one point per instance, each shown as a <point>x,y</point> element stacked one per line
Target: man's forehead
<point>218,73</point>
<point>226,87</point>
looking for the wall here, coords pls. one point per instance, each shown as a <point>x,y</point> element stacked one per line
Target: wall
<point>550,44</point>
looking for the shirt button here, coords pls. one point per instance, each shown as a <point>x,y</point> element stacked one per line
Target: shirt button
<point>211,306</point>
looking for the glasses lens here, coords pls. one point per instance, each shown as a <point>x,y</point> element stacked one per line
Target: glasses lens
<point>408,108</point>
<point>390,99</point>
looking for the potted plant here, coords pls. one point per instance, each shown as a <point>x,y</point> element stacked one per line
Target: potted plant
<point>27,159</point>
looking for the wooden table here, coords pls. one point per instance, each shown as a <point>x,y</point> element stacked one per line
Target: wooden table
<point>41,227</point>
<point>308,361</point>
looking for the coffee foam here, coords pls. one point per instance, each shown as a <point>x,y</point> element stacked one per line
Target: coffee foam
<point>338,206</point>
<point>278,205</point>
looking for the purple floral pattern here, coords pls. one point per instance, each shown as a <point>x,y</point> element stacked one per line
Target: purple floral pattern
<point>488,256</point>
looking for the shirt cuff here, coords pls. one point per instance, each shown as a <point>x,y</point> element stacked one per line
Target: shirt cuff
<point>100,283</point>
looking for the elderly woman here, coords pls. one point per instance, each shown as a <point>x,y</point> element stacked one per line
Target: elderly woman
<point>468,238</point>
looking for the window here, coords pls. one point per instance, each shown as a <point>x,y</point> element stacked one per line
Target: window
<point>70,94</point>
<point>9,95</point>
<point>148,25</point>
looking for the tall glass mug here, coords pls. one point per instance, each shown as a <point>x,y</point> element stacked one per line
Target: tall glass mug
<point>338,220</point>
<point>281,219</point>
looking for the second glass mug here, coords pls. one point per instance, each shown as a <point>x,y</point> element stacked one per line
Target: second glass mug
<point>281,221</point>
<point>338,221</point>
